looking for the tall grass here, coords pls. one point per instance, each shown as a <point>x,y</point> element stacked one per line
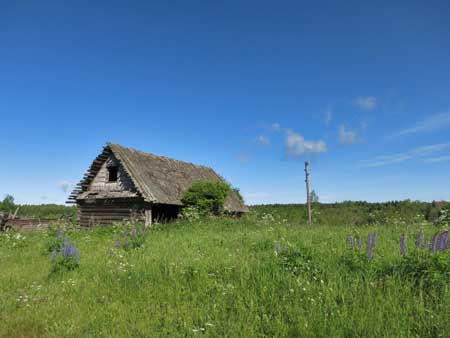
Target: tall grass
<point>265,275</point>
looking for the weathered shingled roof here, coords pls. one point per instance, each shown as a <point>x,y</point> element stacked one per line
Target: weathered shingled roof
<point>158,179</point>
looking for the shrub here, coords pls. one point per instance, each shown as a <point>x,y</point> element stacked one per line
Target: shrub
<point>207,197</point>
<point>190,213</point>
<point>444,217</point>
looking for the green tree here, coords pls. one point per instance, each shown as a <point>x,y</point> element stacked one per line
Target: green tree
<point>313,197</point>
<point>207,197</point>
<point>8,203</point>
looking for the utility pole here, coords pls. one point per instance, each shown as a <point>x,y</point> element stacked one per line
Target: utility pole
<point>308,196</point>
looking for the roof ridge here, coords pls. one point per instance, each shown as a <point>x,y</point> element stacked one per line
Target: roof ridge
<point>160,156</point>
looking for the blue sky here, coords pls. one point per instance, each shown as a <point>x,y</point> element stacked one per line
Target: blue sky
<point>250,88</point>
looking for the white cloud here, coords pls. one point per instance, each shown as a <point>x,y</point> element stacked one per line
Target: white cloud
<point>261,139</point>
<point>437,159</point>
<point>431,123</point>
<point>296,146</point>
<point>385,160</point>
<point>347,136</point>
<point>365,102</point>
<point>276,127</point>
<point>424,150</point>
<point>64,185</point>
<point>413,153</point>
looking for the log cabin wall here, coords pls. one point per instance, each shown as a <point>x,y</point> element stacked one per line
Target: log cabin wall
<point>109,211</point>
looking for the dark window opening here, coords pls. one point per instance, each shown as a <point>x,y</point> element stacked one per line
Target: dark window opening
<point>112,174</point>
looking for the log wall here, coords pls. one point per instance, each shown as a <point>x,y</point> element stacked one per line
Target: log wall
<point>107,212</point>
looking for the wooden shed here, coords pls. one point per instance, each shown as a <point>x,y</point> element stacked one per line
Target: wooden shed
<point>127,184</point>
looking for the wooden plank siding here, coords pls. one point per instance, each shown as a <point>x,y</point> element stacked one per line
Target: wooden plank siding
<point>107,212</point>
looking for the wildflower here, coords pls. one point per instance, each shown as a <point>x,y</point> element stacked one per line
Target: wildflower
<point>350,241</point>
<point>433,243</point>
<point>370,245</point>
<point>360,243</point>
<point>133,233</point>
<point>117,244</point>
<point>403,245</point>
<point>75,254</point>
<point>53,255</point>
<point>419,240</point>
<point>278,248</point>
<point>442,239</point>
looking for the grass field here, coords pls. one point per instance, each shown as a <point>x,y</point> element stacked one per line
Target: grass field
<point>265,275</point>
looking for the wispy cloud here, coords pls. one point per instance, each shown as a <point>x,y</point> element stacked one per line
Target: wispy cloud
<point>365,102</point>
<point>296,146</point>
<point>347,136</point>
<point>413,153</point>
<point>243,158</point>
<point>263,140</point>
<point>437,159</point>
<point>65,185</point>
<point>385,160</point>
<point>430,123</point>
<point>275,127</point>
<point>328,116</point>
<point>425,150</point>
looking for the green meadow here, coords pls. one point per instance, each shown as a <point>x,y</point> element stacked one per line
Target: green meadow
<point>268,274</point>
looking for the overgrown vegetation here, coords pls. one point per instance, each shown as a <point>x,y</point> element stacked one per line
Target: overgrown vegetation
<point>268,274</point>
<point>206,197</point>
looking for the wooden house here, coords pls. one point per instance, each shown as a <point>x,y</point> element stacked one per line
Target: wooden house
<point>126,184</point>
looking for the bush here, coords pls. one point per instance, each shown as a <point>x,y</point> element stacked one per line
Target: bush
<point>207,197</point>
<point>444,217</point>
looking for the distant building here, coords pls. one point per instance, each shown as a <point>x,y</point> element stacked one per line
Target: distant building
<point>126,184</point>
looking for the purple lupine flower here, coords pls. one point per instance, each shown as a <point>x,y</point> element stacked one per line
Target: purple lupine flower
<point>419,240</point>
<point>125,243</point>
<point>117,244</point>
<point>124,232</point>
<point>433,243</point>
<point>133,233</point>
<point>374,239</point>
<point>360,243</point>
<point>67,249</point>
<point>370,245</point>
<point>441,245</point>
<point>403,245</point>
<point>350,241</point>
<point>53,255</point>
<point>278,248</point>
<point>74,254</point>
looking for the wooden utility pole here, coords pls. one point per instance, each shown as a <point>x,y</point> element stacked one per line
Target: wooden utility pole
<point>308,196</point>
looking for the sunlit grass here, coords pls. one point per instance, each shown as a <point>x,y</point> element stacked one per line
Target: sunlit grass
<point>219,278</point>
